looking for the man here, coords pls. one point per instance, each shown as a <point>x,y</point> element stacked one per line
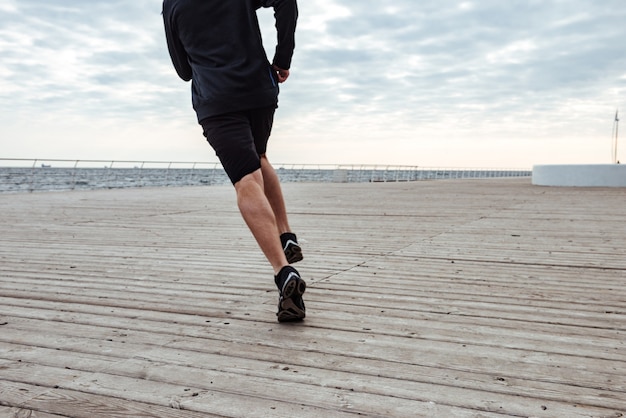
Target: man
<point>217,45</point>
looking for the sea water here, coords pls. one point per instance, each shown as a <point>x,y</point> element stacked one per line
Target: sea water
<point>45,178</point>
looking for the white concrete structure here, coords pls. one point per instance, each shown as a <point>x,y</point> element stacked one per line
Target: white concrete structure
<point>580,175</point>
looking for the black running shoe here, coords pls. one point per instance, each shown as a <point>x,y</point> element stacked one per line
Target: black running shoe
<point>292,249</point>
<point>291,287</point>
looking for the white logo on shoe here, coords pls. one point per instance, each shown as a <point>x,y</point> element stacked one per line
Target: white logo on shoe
<point>288,243</point>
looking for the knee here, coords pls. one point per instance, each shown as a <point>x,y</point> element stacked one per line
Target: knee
<point>254,178</point>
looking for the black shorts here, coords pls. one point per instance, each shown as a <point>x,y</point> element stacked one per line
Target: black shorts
<point>239,139</point>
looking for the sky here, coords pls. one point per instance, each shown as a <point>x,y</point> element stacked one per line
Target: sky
<point>430,83</point>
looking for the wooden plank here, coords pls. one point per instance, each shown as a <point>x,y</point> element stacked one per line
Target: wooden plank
<point>388,356</point>
<point>454,298</point>
<point>298,380</point>
<point>24,413</point>
<point>77,403</point>
<point>424,319</point>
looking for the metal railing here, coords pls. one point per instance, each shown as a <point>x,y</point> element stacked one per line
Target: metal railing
<point>28,175</point>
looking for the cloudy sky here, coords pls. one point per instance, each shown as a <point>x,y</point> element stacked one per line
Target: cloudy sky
<point>485,83</point>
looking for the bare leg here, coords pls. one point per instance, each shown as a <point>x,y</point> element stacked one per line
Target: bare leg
<point>259,215</point>
<point>274,195</point>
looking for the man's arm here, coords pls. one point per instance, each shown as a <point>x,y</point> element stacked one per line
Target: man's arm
<point>286,15</point>
<point>176,48</point>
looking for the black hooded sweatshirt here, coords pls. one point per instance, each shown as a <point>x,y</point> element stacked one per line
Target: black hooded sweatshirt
<point>217,45</point>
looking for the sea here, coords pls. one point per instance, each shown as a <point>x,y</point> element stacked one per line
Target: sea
<point>45,178</point>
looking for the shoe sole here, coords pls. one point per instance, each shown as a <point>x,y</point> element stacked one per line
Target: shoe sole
<point>288,310</point>
<point>293,254</point>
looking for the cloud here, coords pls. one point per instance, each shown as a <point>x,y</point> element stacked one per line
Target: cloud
<point>401,81</point>
<point>450,62</point>
<point>8,6</point>
<point>100,58</point>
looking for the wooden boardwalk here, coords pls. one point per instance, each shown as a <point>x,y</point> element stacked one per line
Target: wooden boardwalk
<point>469,298</point>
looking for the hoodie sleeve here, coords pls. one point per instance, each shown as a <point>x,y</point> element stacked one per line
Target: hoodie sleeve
<point>286,15</point>
<point>175,47</point>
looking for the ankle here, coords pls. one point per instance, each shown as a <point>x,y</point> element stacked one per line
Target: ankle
<point>278,270</point>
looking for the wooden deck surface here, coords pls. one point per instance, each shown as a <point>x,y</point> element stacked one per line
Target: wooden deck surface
<point>469,298</point>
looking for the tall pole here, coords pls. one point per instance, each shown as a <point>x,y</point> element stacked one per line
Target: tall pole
<point>614,136</point>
